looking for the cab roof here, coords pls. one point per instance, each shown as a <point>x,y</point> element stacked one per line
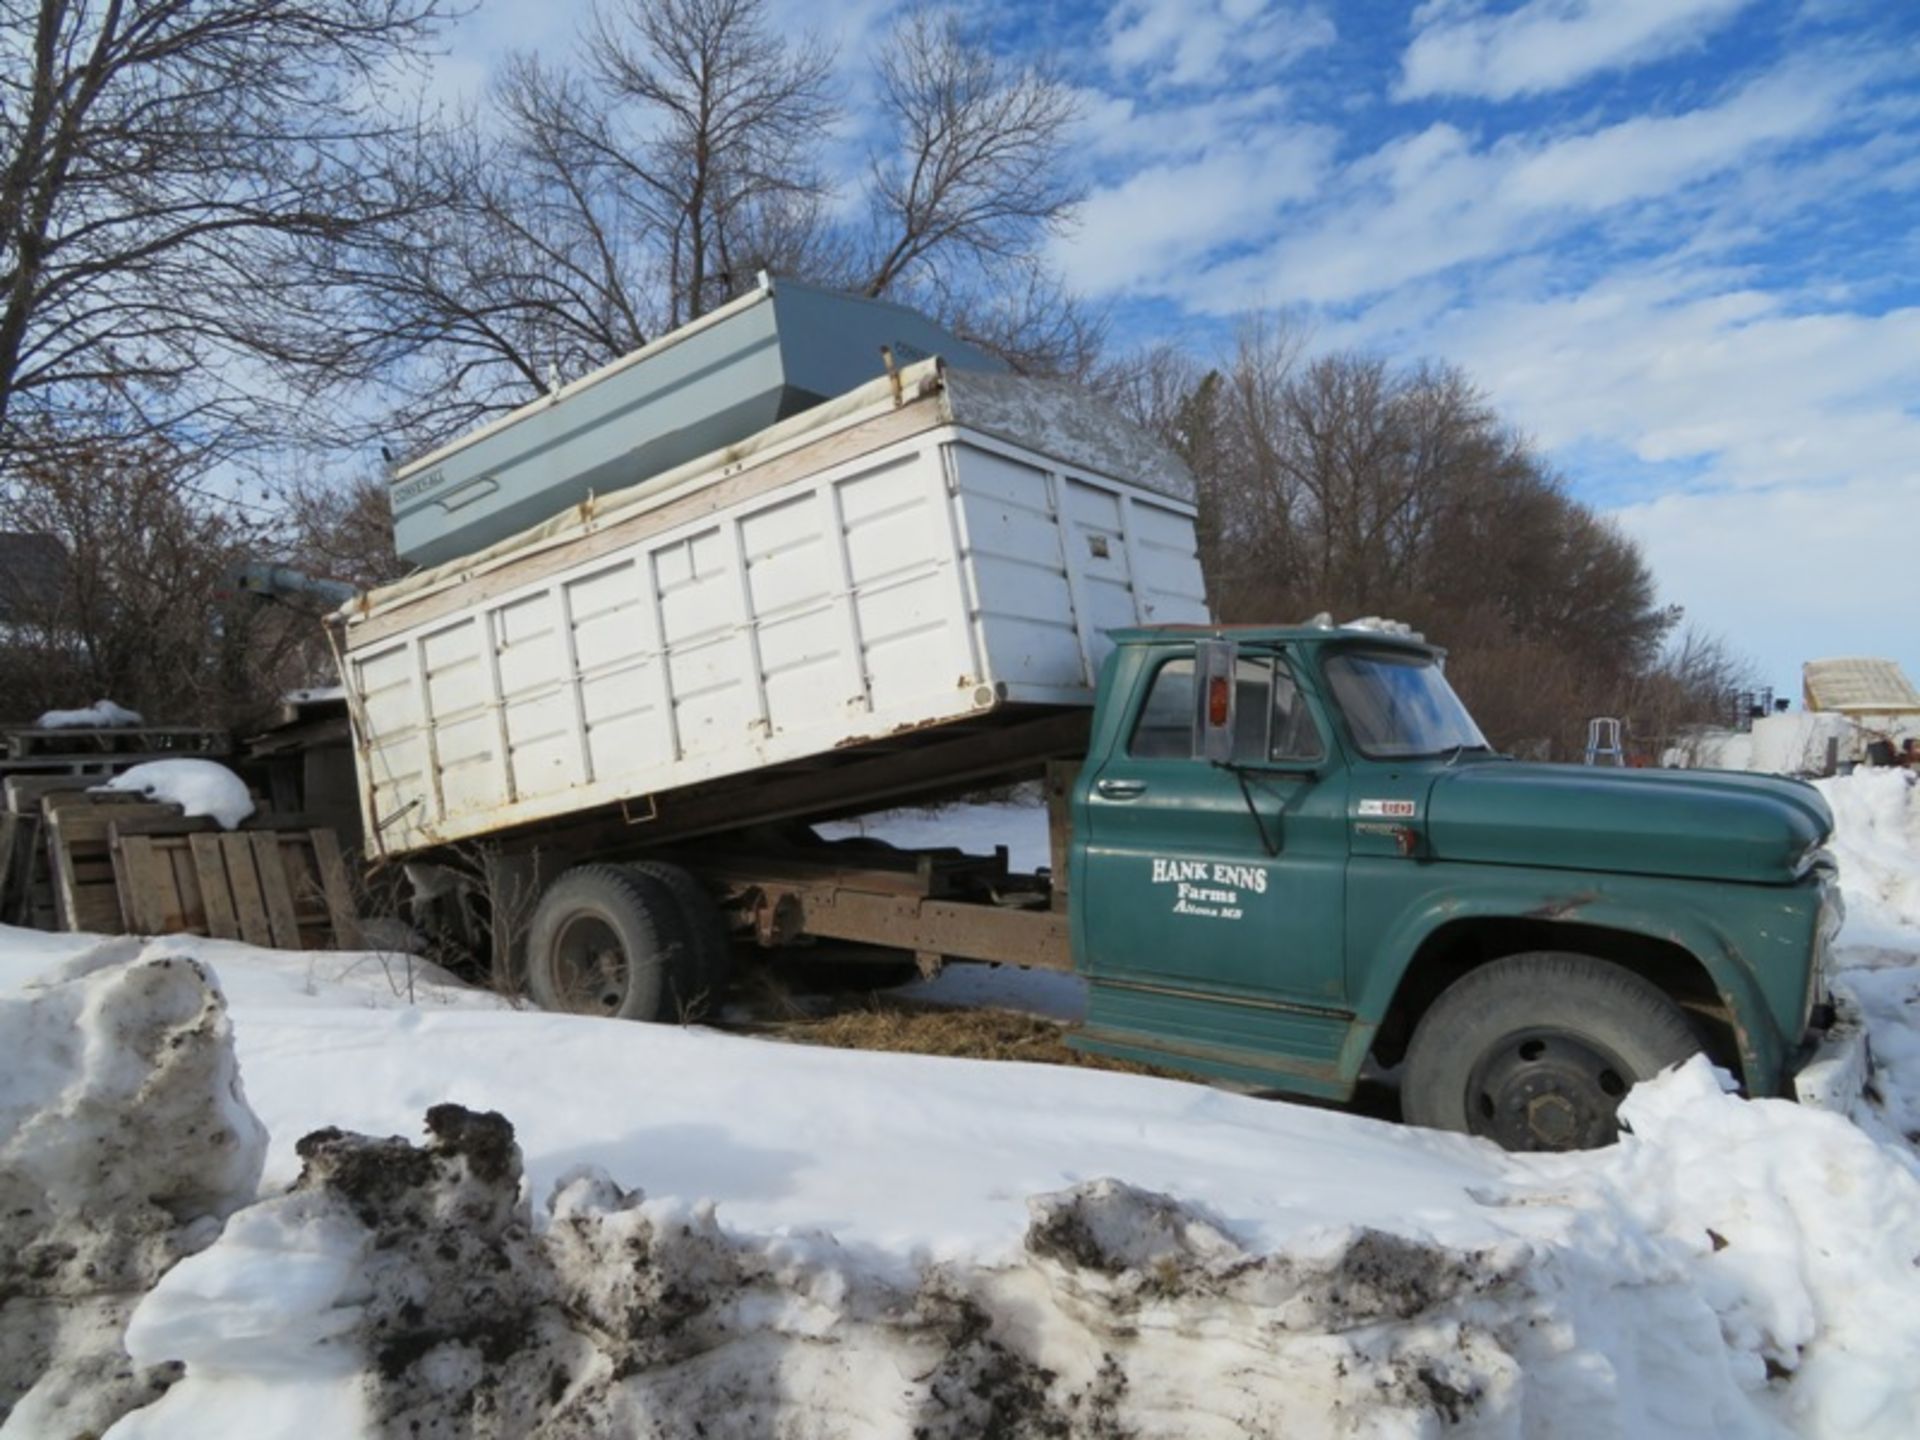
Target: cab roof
<point>1312,634</point>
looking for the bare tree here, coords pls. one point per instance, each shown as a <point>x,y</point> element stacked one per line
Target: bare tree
<point>1350,485</point>
<point>967,187</point>
<point>144,612</point>
<point>589,206</point>
<point>522,256</point>
<point>341,531</point>
<point>585,207</point>
<point>735,114</point>
<point>165,169</point>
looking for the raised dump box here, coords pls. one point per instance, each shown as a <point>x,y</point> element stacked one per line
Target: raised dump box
<point>940,550</point>
<point>779,349</point>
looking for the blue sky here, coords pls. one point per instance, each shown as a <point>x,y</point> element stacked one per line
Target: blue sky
<point>1677,242</point>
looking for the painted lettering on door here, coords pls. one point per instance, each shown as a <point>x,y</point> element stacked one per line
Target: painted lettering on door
<point>1212,889</point>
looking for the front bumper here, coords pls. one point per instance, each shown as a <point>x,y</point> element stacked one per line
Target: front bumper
<point>1834,1074</point>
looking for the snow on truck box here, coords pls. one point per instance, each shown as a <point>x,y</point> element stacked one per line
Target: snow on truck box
<point>932,547</point>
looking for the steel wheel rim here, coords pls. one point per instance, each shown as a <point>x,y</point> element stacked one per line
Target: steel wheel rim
<point>1547,1089</point>
<point>591,968</point>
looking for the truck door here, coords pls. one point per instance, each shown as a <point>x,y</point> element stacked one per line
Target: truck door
<point>1215,894</point>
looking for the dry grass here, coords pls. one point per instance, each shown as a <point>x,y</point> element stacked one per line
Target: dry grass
<point>880,1022</point>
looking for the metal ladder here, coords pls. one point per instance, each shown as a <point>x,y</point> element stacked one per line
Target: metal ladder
<point>1603,741</point>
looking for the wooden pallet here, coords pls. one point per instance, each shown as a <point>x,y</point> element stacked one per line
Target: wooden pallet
<point>147,741</point>
<point>79,841</point>
<point>113,864</point>
<point>27,887</point>
<point>281,888</point>
<point>20,852</point>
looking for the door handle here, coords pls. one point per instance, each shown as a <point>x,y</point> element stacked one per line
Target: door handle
<point>1121,789</point>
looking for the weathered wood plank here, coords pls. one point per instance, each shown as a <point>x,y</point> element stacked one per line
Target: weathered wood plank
<point>147,895</point>
<point>216,892</point>
<point>25,792</point>
<point>79,829</point>
<point>172,740</point>
<point>274,888</point>
<point>338,890</point>
<point>243,877</point>
<point>186,883</point>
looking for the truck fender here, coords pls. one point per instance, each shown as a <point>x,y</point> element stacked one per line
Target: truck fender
<point>1762,1052</point>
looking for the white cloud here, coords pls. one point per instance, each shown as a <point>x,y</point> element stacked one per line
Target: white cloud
<point>1127,128</point>
<point>1195,42</point>
<point>1672,366</point>
<point>1428,201</point>
<point>1545,45</point>
<point>1791,575</point>
<point>1155,229</point>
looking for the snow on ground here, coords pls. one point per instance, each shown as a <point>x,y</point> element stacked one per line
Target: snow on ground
<point>977,830</point>
<point>198,787</point>
<point>848,1244</point>
<point>101,715</point>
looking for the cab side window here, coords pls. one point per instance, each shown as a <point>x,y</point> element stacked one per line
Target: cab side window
<point>1164,730</point>
<point>1294,737</point>
<point>1270,723</point>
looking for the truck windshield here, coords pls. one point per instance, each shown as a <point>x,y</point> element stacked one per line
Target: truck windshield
<point>1399,705</point>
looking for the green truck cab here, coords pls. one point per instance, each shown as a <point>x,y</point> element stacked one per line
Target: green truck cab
<point>1294,853</point>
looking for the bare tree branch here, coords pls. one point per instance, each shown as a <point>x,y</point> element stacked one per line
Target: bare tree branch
<point>166,169</point>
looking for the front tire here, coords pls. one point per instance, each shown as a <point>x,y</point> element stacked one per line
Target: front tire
<point>1535,1052</point>
<point>606,940</point>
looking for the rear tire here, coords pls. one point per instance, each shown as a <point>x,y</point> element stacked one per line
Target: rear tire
<point>712,953</point>
<point>607,940</point>
<point>1536,1051</point>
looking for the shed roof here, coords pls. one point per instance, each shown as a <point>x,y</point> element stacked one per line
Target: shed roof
<point>1859,685</point>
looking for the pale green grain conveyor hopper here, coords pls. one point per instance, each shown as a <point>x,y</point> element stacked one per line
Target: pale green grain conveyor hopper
<point>772,353</point>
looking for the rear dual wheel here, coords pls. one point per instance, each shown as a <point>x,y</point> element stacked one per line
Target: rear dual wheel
<point>1535,1052</point>
<point>627,942</point>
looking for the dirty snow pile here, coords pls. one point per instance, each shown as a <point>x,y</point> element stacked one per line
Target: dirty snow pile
<point>1656,1290</point>
<point>127,1142</point>
<point>198,787</point>
<point>101,715</point>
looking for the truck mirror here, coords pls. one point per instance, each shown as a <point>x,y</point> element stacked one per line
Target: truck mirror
<point>1214,664</point>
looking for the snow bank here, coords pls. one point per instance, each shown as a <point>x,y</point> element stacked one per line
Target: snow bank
<point>127,1140</point>
<point>101,715</point>
<point>1876,839</point>
<point>1730,1269</point>
<point>1794,743</point>
<point>198,787</point>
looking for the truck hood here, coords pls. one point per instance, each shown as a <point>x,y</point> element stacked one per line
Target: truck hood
<point>1701,824</point>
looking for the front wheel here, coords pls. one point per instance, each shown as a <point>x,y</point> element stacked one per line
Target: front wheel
<point>1535,1052</point>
